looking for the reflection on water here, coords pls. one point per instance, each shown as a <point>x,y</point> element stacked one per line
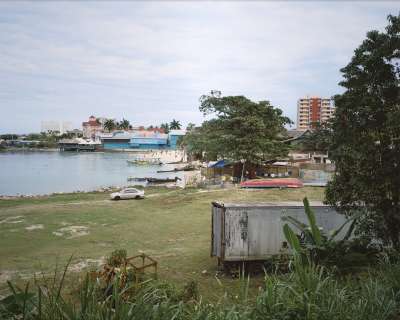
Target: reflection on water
<point>48,172</point>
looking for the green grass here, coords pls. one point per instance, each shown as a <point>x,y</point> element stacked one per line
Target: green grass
<point>173,226</point>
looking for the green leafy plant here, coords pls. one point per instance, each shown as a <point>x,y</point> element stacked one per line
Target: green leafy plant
<point>117,258</point>
<point>316,245</point>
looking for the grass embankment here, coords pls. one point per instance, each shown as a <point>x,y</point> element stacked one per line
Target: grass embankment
<point>173,226</point>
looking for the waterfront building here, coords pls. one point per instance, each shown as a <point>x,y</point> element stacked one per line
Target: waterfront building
<point>91,127</point>
<point>149,140</point>
<point>174,136</point>
<point>77,144</point>
<point>141,139</point>
<point>116,140</point>
<point>313,110</point>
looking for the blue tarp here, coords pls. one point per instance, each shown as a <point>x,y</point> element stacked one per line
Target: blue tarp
<point>218,164</point>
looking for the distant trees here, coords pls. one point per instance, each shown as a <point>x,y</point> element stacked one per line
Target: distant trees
<point>366,135</point>
<point>165,127</point>
<point>175,125</point>
<point>241,130</point>
<point>124,124</point>
<point>9,136</point>
<point>109,125</point>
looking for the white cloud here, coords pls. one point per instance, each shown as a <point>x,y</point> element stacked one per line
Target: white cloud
<point>162,56</point>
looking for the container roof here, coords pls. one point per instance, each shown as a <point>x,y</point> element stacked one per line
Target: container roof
<point>267,204</point>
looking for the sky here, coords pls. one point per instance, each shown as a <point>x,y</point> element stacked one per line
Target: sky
<point>150,62</point>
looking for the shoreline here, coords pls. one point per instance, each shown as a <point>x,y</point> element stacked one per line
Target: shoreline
<point>140,151</point>
<point>46,195</point>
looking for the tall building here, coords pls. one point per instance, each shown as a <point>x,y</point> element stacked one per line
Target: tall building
<point>313,110</point>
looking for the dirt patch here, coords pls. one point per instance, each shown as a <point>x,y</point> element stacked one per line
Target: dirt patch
<point>72,232</point>
<point>15,219</point>
<point>87,263</point>
<point>7,275</point>
<point>35,227</point>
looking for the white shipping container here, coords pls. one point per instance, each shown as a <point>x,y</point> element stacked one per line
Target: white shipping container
<point>254,231</point>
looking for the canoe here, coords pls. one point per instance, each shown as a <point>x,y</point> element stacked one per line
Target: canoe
<point>162,180</point>
<point>272,183</point>
<point>154,180</point>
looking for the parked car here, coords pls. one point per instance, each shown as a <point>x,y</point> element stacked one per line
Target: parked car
<point>127,193</point>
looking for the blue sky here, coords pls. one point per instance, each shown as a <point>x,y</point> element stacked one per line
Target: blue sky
<point>150,62</point>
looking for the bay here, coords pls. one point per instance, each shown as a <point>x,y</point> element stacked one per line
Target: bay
<point>36,173</point>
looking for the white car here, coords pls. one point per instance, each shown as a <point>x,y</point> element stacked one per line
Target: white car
<point>128,193</point>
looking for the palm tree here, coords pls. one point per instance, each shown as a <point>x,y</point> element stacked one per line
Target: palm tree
<point>110,125</point>
<point>174,125</point>
<point>124,124</point>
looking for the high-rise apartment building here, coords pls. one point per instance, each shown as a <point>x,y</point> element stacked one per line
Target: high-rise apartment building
<point>313,110</point>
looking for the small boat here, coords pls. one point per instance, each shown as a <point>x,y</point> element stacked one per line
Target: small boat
<point>144,162</point>
<point>162,180</point>
<point>137,179</point>
<point>189,167</point>
<point>272,183</point>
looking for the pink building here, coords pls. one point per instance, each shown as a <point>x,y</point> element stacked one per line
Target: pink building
<point>91,127</point>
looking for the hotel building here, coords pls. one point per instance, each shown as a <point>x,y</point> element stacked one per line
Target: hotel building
<point>313,110</point>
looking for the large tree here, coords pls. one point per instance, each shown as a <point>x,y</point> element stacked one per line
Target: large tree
<point>240,130</point>
<point>366,135</point>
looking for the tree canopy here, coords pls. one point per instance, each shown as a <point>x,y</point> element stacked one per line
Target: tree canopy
<point>240,129</point>
<point>165,126</point>
<point>365,143</point>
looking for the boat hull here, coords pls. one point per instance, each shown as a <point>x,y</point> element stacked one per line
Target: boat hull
<point>272,183</point>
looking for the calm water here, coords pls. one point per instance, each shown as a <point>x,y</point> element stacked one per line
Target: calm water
<point>48,172</point>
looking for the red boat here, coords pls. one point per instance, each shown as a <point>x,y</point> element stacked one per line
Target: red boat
<point>272,183</point>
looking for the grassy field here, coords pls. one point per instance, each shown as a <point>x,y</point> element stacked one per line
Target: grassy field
<point>171,226</point>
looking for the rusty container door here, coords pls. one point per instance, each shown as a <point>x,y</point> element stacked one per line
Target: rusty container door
<point>236,234</point>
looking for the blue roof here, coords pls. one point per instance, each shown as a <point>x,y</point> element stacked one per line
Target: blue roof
<point>218,164</point>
